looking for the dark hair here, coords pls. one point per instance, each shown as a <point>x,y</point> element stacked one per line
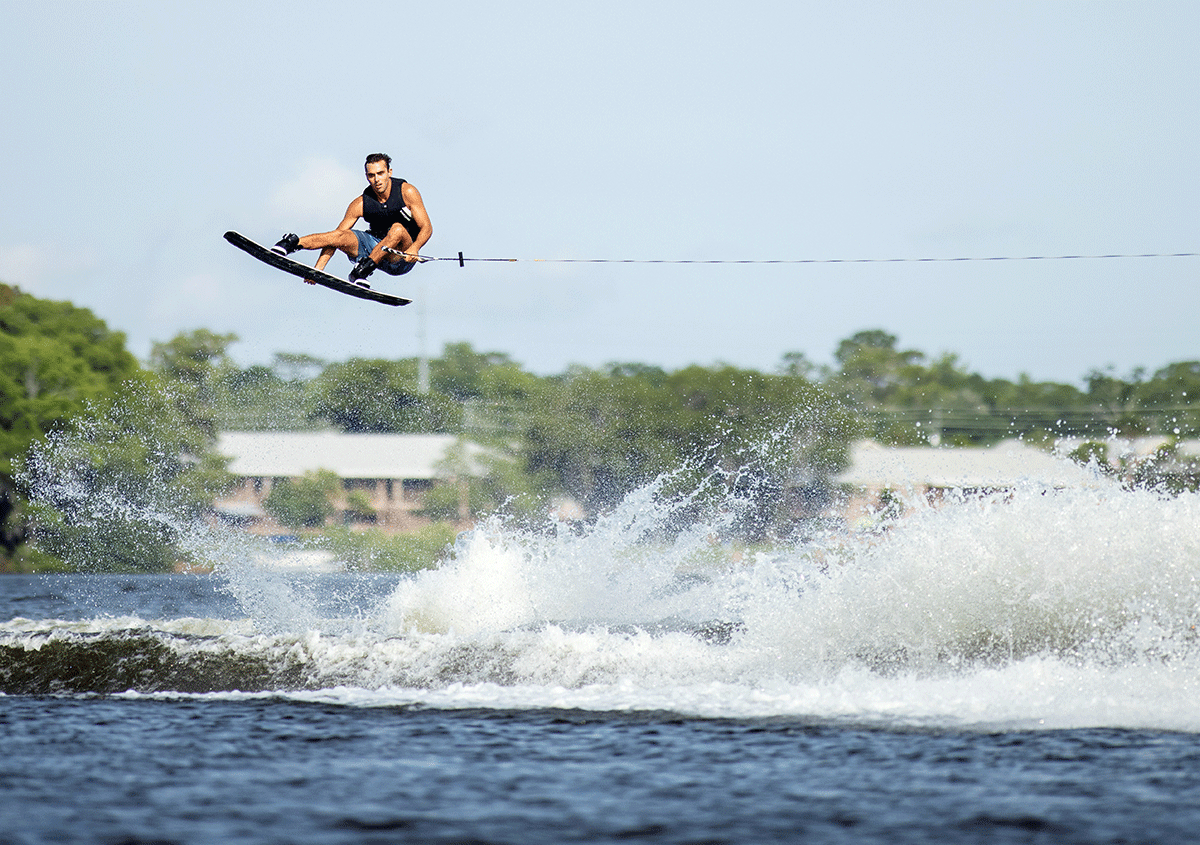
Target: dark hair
<point>374,157</point>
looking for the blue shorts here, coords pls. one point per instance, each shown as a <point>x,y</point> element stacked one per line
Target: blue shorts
<point>368,242</point>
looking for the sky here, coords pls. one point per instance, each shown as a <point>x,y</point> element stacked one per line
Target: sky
<point>136,134</point>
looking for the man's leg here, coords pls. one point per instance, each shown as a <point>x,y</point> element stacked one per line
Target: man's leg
<point>368,248</point>
<point>398,238</point>
<point>342,239</point>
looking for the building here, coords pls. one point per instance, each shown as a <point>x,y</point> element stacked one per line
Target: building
<point>389,473</point>
<point>882,477</point>
<point>1128,453</point>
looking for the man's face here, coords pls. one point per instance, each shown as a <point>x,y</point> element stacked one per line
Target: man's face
<point>379,176</point>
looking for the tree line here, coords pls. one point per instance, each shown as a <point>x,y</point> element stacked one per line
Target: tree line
<point>588,433</point>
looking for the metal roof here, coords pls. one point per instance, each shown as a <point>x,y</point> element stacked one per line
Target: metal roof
<point>1124,448</point>
<point>291,454</point>
<point>1001,466</point>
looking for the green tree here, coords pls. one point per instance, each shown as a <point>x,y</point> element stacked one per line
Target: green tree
<point>192,366</point>
<point>1115,399</point>
<point>598,434</point>
<point>907,398</point>
<point>54,358</point>
<point>125,487</point>
<point>494,391</point>
<point>376,395</point>
<point>297,367</point>
<point>303,502</point>
<point>777,439</point>
<point>593,435</point>
<point>464,374</point>
<point>871,368</point>
<point>259,399</point>
<point>1172,399</point>
<point>475,483</point>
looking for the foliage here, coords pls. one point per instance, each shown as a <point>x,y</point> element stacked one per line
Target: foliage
<point>121,487</point>
<point>597,434</point>
<point>911,399</point>
<point>54,358</point>
<point>589,434</point>
<point>375,395</point>
<point>268,398</point>
<point>447,502</point>
<point>1171,395</point>
<point>121,484</point>
<point>464,374</point>
<point>358,506</point>
<point>1166,471</point>
<point>257,398</point>
<point>593,434</point>
<point>373,549</point>
<point>1091,453</point>
<point>304,502</point>
<point>192,365</point>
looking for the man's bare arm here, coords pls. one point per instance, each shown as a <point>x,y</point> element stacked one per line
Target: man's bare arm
<point>412,198</point>
<point>398,239</point>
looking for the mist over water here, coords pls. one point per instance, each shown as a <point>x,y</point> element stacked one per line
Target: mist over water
<point>1036,608</point>
<point>1063,608</point>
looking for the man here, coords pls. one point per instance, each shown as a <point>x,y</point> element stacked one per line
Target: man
<point>396,220</point>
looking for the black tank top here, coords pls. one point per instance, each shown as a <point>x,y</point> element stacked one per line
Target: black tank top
<point>381,216</point>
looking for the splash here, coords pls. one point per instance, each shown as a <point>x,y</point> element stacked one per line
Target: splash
<point>118,492</point>
<point>1099,576</point>
<point>639,564</point>
<point>1034,608</point>
<point>1086,575</point>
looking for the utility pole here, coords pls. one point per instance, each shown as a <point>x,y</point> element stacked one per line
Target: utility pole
<point>422,353</point>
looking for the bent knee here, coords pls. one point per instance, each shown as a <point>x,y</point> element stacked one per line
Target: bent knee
<point>398,231</point>
<point>346,241</point>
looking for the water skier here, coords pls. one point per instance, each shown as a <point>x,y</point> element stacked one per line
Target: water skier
<point>398,226</point>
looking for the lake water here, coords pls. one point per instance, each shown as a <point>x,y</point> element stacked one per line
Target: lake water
<point>1023,669</point>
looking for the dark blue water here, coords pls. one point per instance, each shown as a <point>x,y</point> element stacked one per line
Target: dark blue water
<point>309,762</point>
<point>103,770</point>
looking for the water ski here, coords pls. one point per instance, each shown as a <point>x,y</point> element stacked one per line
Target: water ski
<point>287,265</point>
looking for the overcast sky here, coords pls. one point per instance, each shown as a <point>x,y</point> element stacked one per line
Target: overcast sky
<point>135,134</point>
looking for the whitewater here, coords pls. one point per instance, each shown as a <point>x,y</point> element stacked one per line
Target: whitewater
<point>1018,667</point>
<point>1032,609</point>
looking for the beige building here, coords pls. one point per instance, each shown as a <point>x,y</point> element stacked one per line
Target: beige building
<point>1127,453</point>
<point>883,477</point>
<point>392,473</point>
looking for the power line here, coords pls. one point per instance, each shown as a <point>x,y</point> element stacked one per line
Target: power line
<point>981,413</point>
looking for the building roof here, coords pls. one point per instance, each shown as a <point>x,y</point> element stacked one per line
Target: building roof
<point>1136,448</point>
<point>291,454</point>
<point>998,467</point>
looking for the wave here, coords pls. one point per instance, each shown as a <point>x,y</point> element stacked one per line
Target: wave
<point>1074,607</point>
<point>1035,608</point>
